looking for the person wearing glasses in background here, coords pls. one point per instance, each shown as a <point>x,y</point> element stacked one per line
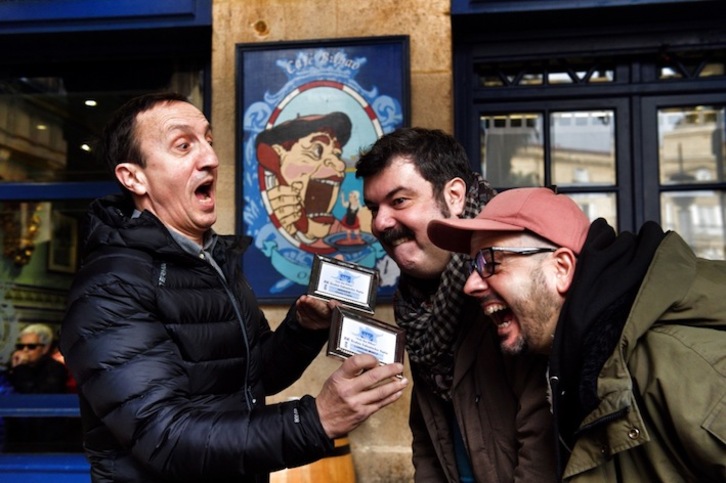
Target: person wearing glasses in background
<point>477,415</point>
<point>33,371</point>
<point>634,327</point>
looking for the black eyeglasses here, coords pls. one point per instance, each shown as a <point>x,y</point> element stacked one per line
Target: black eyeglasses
<point>31,347</point>
<point>485,265</point>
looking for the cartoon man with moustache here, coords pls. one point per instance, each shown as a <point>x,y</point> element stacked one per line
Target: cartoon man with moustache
<point>301,171</point>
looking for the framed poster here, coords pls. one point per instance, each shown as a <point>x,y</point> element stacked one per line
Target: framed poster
<point>306,111</point>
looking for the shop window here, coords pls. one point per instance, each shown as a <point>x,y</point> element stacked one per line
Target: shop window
<point>49,132</point>
<point>676,66</point>
<point>691,150</point>
<point>555,72</point>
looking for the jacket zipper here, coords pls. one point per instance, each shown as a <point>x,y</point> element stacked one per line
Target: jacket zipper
<point>249,399</point>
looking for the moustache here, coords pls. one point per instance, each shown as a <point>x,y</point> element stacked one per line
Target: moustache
<point>389,236</point>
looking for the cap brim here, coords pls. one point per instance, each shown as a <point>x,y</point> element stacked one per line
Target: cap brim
<point>455,235</point>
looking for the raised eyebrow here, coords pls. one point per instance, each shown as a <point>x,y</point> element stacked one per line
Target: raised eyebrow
<point>189,128</point>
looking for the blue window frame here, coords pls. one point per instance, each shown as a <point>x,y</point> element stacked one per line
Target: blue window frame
<point>59,55</point>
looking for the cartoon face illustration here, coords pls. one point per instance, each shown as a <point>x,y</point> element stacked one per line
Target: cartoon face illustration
<point>303,172</point>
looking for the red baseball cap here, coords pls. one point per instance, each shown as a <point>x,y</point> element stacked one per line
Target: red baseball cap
<point>554,217</point>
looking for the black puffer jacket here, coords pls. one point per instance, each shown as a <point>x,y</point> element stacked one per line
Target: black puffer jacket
<point>171,386</point>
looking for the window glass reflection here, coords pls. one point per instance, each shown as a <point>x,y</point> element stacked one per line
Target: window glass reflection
<point>583,148</point>
<point>691,144</point>
<point>598,205</point>
<point>713,69</point>
<point>40,241</point>
<point>512,152</point>
<point>602,76</point>
<point>48,130</point>
<point>698,216</point>
<point>559,77</point>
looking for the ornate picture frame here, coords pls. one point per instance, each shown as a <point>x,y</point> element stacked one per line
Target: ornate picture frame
<point>306,110</point>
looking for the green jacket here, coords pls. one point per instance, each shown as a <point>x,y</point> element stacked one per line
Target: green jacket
<point>662,410</point>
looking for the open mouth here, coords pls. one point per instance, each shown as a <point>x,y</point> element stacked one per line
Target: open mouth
<point>501,315</point>
<point>204,191</point>
<point>399,241</point>
<point>318,199</point>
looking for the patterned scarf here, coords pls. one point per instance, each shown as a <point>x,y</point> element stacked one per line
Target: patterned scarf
<point>430,313</point>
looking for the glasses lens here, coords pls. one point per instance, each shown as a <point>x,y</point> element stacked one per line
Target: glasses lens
<point>32,347</point>
<point>481,265</point>
<point>484,262</point>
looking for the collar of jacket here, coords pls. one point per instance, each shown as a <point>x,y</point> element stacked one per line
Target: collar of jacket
<point>617,424</point>
<point>609,273</point>
<point>109,221</point>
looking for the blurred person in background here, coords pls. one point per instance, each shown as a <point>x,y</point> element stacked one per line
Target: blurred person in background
<point>34,371</point>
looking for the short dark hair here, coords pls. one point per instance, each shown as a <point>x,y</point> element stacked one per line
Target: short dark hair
<point>118,141</point>
<point>438,157</point>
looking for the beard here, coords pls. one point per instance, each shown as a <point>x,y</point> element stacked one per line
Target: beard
<point>518,347</point>
<point>537,307</point>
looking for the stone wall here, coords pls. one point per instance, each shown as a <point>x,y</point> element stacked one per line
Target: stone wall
<point>381,447</point>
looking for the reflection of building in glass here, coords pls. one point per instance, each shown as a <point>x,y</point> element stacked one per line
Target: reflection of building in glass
<point>691,142</point>
<point>582,167</point>
<point>583,148</point>
<point>32,145</point>
<point>582,153</point>
<point>691,145</point>
<point>512,150</point>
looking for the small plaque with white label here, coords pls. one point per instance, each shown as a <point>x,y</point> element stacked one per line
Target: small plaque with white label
<point>350,284</point>
<point>353,333</point>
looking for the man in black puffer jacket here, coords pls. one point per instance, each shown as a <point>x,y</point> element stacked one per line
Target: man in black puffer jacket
<point>172,355</point>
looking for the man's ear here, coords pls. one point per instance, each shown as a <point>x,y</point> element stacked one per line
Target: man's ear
<point>132,177</point>
<point>565,262</point>
<point>455,195</point>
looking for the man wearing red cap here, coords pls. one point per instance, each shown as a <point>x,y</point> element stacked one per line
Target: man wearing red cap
<point>634,326</point>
